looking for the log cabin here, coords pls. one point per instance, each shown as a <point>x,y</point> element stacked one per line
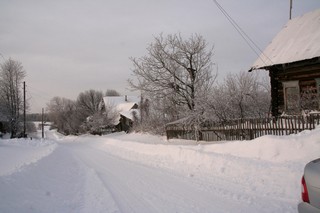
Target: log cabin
<point>293,62</point>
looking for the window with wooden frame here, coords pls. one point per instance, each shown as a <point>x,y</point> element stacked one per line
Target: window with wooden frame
<point>309,97</point>
<point>291,97</point>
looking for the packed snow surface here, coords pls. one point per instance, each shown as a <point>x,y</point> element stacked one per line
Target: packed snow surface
<point>145,173</point>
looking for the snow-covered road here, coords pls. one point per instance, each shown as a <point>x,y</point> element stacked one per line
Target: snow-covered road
<point>127,173</point>
<point>78,177</point>
<point>132,187</point>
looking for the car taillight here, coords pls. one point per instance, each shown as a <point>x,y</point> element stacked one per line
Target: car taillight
<point>304,191</point>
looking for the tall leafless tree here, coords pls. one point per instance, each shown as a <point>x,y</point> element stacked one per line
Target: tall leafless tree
<point>63,112</point>
<point>241,95</point>
<point>11,78</point>
<point>88,102</point>
<point>95,116</point>
<point>176,70</point>
<point>112,92</point>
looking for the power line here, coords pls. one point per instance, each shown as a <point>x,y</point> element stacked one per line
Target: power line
<point>40,93</point>
<point>254,47</point>
<point>36,94</point>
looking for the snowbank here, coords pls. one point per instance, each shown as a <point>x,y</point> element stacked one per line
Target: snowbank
<point>16,153</point>
<point>299,148</point>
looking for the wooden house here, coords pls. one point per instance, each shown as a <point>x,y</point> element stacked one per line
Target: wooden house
<point>293,62</point>
<point>126,108</point>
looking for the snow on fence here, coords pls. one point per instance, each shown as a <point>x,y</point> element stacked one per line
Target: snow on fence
<point>244,129</point>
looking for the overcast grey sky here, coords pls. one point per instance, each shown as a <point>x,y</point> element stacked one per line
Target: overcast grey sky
<point>69,46</point>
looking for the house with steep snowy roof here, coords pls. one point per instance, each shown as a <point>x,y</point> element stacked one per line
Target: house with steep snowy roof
<point>293,62</point>
<point>126,108</point>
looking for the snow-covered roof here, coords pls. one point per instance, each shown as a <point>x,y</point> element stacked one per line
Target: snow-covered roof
<point>298,40</point>
<point>123,104</point>
<point>129,114</point>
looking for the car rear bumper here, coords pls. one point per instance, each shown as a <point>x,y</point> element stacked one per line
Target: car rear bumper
<point>307,208</point>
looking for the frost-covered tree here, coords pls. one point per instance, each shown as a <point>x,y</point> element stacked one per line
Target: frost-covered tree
<point>176,71</point>
<point>11,78</point>
<point>95,116</point>
<point>102,121</point>
<point>241,95</point>
<point>153,116</point>
<point>63,113</point>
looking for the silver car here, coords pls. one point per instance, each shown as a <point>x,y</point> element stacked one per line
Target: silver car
<point>310,188</point>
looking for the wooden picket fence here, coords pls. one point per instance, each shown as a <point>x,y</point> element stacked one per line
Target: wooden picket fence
<point>244,129</point>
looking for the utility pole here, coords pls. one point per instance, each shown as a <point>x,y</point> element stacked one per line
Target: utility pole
<point>42,123</point>
<point>24,110</point>
<point>290,10</point>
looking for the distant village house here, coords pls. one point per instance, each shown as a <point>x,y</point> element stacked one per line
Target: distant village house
<point>126,108</point>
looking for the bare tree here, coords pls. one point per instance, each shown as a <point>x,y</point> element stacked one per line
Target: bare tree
<point>112,92</point>
<point>177,70</point>
<point>88,103</point>
<point>63,112</point>
<point>95,116</point>
<point>153,116</point>
<point>242,95</point>
<point>11,78</point>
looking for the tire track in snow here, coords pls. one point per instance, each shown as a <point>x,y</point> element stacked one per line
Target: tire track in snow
<point>241,174</point>
<point>138,188</point>
<point>115,187</point>
<point>97,196</point>
<point>53,184</point>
